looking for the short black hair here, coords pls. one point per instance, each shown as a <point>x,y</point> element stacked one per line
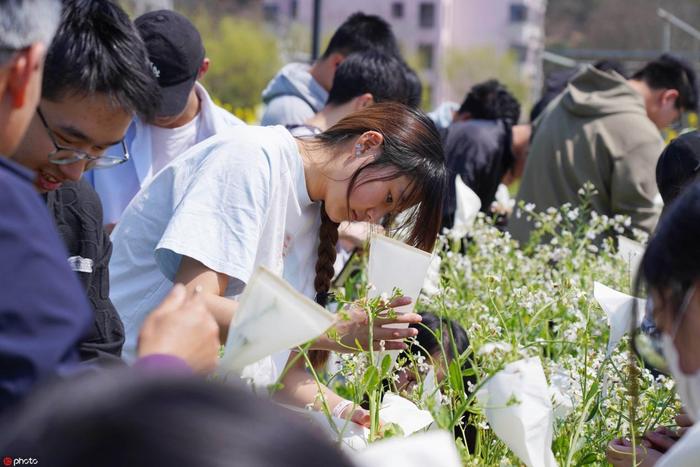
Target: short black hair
<point>97,49</point>
<point>678,166</point>
<point>491,100</point>
<point>669,72</point>
<point>371,72</point>
<point>361,32</point>
<point>119,417</point>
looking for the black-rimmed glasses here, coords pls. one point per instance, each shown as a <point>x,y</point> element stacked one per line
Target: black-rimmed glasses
<point>65,156</point>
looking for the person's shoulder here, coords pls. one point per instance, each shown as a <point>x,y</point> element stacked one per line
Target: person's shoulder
<point>287,110</point>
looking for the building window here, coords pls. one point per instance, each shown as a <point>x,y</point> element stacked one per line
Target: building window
<point>518,13</point>
<point>426,15</point>
<point>294,8</point>
<point>271,12</point>
<point>397,10</point>
<point>425,56</point>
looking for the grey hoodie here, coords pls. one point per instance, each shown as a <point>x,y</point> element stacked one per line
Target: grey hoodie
<point>597,130</point>
<point>292,96</point>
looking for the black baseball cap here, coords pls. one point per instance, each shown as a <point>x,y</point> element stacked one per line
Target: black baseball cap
<point>678,165</point>
<point>176,53</point>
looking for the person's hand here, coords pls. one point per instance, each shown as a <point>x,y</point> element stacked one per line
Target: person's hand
<point>620,454</point>
<point>352,328</point>
<point>359,416</point>
<point>182,326</point>
<point>662,438</point>
<point>683,421</point>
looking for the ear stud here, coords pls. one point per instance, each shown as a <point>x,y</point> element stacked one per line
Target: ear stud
<point>358,150</point>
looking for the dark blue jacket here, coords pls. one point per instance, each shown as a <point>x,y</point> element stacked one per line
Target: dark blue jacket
<point>43,310</point>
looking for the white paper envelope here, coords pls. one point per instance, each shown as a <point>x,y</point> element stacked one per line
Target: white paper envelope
<point>620,311</point>
<point>395,264</point>
<point>432,449</point>
<point>519,410</point>
<point>467,207</point>
<point>396,409</point>
<point>631,251</point>
<point>271,317</point>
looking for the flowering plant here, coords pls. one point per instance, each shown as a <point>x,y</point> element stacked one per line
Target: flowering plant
<point>517,302</point>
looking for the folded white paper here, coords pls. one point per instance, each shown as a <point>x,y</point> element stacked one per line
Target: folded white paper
<point>404,413</point>
<point>431,284</point>
<point>395,264</point>
<point>272,317</point>
<point>518,408</point>
<point>632,252</point>
<point>431,449</point>
<point>620,311</point>
<point>466,208</point>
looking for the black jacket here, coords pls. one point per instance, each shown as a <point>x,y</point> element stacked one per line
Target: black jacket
<point>77,211</point>
<point>480,151</point>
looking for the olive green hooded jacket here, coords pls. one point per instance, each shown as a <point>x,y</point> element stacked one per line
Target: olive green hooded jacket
<point>597,130</point>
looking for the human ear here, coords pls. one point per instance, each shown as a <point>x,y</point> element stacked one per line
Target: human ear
<point>203,68</point>
<point>368,141</point>
<point>364,100</point>
<point>23,68</point>
<point>669,96</point>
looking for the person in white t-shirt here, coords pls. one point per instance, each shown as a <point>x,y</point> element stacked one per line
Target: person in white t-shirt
<point>256,196</point>
<point>185,116</point>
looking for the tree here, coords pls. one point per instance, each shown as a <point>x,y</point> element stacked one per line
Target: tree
<point>465,68</point>
<point>244,57</point>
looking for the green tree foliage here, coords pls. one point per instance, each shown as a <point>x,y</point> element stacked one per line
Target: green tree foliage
<point>244,57</point>
<point>465,68</point>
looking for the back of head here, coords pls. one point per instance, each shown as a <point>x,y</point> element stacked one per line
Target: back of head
<point>98,50</point>
<point>669,72</point>
<point>123,418</point>
<point>672,258</point>
<point>411,147</point>
<point>361,32</point>
<point>678,166</point>
<point>490,100</point>
<point>25,22</point>
<point>370,72</point>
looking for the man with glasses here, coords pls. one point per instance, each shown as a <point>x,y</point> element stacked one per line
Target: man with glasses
<point>96,77</point>
<point>604,129</point>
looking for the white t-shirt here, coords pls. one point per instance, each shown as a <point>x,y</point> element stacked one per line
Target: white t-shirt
<point>169,143</point>
<point>232,202</point>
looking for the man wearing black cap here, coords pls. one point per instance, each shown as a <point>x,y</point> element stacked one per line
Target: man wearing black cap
<point>185,116</point>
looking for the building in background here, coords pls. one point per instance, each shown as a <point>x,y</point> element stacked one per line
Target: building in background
<point>430,32</point>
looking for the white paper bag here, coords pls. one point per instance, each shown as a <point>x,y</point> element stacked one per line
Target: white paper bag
<point>431,449</point>
<point>404,413</point>
<point>467,207</point>
<point>395,264</point>
<point>272,317</point>
<point>620,311</point>
<point>518,409</point>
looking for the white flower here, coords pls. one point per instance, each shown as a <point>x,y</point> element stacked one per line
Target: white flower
<point>491,347</point>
